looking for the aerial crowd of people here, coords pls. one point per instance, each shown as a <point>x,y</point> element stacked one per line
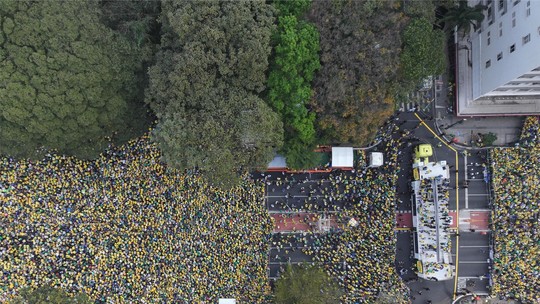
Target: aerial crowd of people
<point>126,228</point>
<point>516,216</point>
<point>360,257</point>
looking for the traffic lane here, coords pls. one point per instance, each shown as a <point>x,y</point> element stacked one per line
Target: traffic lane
<point>404,254</point>
<point>479,187</point>
<point>276,269</point>
<point>439,292</point>
<point>293,240</point>
<point>478,201</point>
<point>478,285</point>
<point>476,253</point>
<point>289,255</point>
<point>314,203</point>
<point>472,268</point>
<point>303,188</point>
<point>473,239</point>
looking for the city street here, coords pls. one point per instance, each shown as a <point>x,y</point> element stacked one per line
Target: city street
<point>297,200</point>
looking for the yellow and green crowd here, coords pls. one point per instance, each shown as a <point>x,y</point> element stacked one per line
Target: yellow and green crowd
<point>516,217</point>
<point>125,228</point>
<point>362,257</point>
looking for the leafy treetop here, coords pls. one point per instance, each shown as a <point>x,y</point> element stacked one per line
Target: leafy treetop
<point>66,81</point>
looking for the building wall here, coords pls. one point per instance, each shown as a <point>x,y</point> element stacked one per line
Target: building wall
<point>499,50</point>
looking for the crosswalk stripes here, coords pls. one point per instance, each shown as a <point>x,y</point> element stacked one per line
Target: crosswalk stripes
<point>408,106</point>
<point>403,211</point>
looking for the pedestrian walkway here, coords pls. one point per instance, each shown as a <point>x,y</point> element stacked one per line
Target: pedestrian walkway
<point>303,222</point>
<point>420,104</point>
<point>477,220</point>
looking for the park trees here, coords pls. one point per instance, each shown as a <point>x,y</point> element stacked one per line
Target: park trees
<point>423,51</point>
<point>289,82</point>
<point>66,80</point>
<point>360,43</point>
<point>302,284</point>
<point>205,83</point>
<point>463,17</point>
<point>49,295</point>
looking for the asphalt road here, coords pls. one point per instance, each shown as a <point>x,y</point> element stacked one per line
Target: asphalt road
<point>312,192</point>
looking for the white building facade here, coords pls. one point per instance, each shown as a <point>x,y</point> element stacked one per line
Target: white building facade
<point>498,65</point>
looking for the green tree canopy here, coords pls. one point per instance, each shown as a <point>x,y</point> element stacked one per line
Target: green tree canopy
<point>49,295</point>
<point>463,16</point>
<point>289,87</point>
<point>291,7</point>
<point>66,81</point>
<point>205,83</point>
<point>306,285</point>
<point>360,43</point>
<point>423,51</point>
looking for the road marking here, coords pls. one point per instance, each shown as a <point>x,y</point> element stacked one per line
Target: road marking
<point>466,189</point>
<point>469,278</point>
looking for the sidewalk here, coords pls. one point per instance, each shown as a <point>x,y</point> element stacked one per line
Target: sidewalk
<point>464,131</point>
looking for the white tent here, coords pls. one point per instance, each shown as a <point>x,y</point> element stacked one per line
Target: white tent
<point>278,162</point>
<point>227,301</point>
<point>342,157</point>
<point>376,159</point>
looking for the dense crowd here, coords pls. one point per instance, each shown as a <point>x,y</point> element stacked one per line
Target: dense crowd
<point>516,216</point>
<point>363,256</point>
<point>360,258</point>
<point>125,228</point>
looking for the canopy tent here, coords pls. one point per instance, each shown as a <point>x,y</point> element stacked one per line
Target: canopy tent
<point>278,162</point>
<point>376,159</point>
<point>342,157</point>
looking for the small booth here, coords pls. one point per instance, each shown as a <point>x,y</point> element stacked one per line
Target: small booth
<point>342,157</point>
<point>376,159</point>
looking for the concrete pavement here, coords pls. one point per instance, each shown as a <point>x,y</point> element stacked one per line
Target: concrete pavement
<point>464,130</point>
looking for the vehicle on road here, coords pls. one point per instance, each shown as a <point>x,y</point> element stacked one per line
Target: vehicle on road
<point>431,216</point>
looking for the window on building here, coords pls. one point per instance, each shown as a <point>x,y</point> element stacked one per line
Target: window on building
<point>489,41</point>
<point>502,7</point>
<point>512,48</point>
<point>488,63</point>
<point>513,22</point>
<point>516,2</point>
<point>499,56</point>
<point>528,12</point>
<point>526,38</point>
<point>490,14</point>
<point>500,32</point>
